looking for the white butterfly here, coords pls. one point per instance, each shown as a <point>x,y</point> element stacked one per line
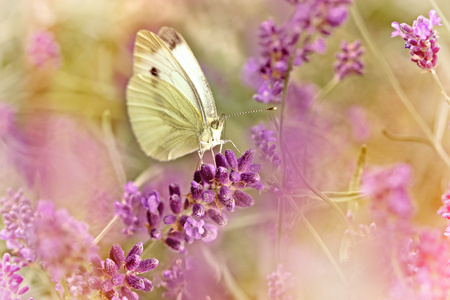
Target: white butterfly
<point>170,104</point>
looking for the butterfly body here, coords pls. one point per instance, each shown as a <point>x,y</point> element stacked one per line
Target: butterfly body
<point>170,105</point>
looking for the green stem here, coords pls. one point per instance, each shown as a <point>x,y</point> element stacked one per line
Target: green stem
<point>321,243</point>
<point>313,108</point>
<point>436,78</point>
<point>282,115</point>
<point>396,85</point>
<point>112,149</point>
<point>105,230</point>
<point>315,190</point>
<point>405,138</point>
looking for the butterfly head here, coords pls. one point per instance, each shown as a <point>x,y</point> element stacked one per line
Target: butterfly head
<point>216,126</point>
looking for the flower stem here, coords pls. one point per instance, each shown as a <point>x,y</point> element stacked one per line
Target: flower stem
<point>112,149</point>
<point>436,78</point>
<point>320,242</point>
<point>442,111</point>
<point>105,230</point>
<point>313,108</point>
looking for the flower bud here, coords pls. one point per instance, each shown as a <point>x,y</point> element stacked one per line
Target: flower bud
<point>207,171</point>
<point>231,159</point>
<point>221,161</point>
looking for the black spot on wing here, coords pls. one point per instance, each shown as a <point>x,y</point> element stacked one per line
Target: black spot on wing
<point>154,71</point>
<point>170,37</point>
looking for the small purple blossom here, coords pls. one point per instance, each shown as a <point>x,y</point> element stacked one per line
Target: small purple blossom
<point>291,44</point>
<point>154,208</point>
<point>349,60</point>
<point>173,279</point>
<point>44,49</point>
<point>117,274</point>
<point>421,39</point>
<point>18,217</point>
<point>131,210</point>
<point>281,284</point>
<point>194,228</point>
<point>10,280</point>
<point>265,141</point>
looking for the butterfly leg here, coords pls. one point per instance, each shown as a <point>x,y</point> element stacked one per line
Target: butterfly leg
<point>213,156</point>
<point>200,154</point>
<point>230,141</point>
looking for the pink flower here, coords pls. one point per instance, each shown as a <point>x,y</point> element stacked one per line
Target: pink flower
<point>60,242</point>
<point>388,190</point>
<point>43,49</point>
<point>444,210</point>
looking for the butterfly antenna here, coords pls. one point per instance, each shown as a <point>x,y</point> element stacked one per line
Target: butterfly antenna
<point>243,113</point>
<point>252,111</point>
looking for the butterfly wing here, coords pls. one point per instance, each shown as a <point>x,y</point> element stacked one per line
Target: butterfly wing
<point>186,58</point>
<point>154,55</point>
<point>165,122</point>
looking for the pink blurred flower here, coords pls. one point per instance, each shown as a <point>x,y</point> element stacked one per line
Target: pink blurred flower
<point>426,273</point>
<point>281,284</point>
<point>10,280</point>
<point>388,191</point>
<point>358,119</point>
<point>44,49</point>
<point>60,242</point>
<point>444,210</point>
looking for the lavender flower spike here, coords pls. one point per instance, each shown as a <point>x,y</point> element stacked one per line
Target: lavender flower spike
<point>18,217</point>
<point>420,39</point>
<point>349,60</point>
<point>118,273</point>
<point>10,280</point>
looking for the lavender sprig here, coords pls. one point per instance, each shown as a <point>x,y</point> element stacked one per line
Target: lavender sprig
<point>131,209</point>
<point>18,217</point>
<point>214,189</point>
<point>10,280</point>
<point>292,42</point>
<point>117,275</point>
<point>420,39</point>
<point>349,60</point>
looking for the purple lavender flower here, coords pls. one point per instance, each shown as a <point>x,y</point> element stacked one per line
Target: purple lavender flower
<point>18,217</point>
<point>118,274</point>
<point>154,208</point>
<point>10,280</point>
<point>291,43</point>
<point>349,60</point>
<point>210,232</point>
<point>265,141</point>
<point>194,228</point>
<point>421,39</point>
<point>131,210</point>
<point>213,189</point>
<point>173,279</point>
